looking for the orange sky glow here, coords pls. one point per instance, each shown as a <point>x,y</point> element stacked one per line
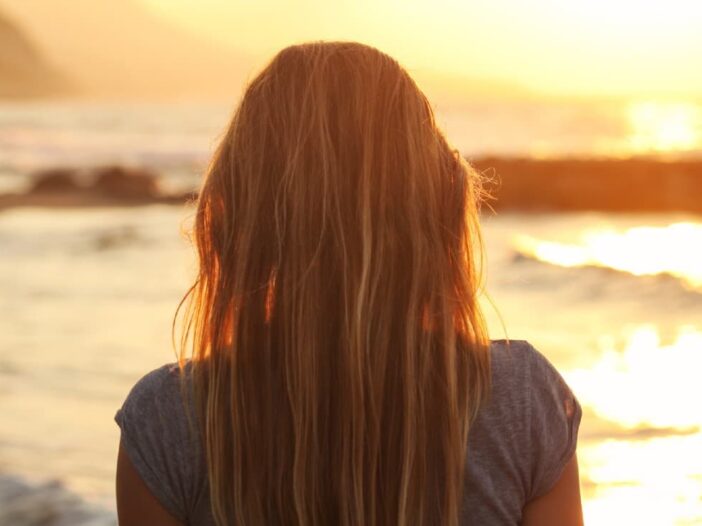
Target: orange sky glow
<point>582,48</point>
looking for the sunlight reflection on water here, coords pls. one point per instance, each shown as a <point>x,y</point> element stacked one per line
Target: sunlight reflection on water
<point>90,317</point>
<point>652,482</point>
<point>641,440</point>
<point>640,250</point>
<point>647,383</point>
<point>646,386</point>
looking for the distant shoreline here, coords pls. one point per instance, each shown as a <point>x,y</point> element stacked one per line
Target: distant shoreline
<point>637,185</point>
<point>85,200</point>
<point>608,185</point>
<point>105,186</point>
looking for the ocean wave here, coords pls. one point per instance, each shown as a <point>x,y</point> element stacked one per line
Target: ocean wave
<point>532,269</point>
<point>46,504</point>
<point>639,249</point>
<point>604,296</point>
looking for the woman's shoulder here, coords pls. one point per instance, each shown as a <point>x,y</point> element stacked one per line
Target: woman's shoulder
<point>529,423</point>
<point>505,412</point>
<point>157,394</point>
<point>520,369</point>
<point>159,401</point>
<point>513,352</point>
<point>524,381</point>
<point>162,380</point>
<point>159,435</point>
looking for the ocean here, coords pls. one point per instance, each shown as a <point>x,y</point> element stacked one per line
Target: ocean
<point>88,296</point>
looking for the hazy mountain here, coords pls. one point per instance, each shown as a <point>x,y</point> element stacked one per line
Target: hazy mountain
<point>24,71</point>
<point>118,48</point>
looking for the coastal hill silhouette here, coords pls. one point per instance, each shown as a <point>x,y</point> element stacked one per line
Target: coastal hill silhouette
<point>24,70</point>
<point>119,49</point>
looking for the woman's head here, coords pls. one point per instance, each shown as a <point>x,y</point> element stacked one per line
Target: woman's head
<point>338,346</point>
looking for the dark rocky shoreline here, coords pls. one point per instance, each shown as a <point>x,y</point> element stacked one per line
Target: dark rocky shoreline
<point>100,186</point>
<point>638,185</point>
<point>608,185</point>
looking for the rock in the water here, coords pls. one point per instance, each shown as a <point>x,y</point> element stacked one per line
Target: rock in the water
<point>94,186</point>
<point>56,180</point>
<point>126,183</point>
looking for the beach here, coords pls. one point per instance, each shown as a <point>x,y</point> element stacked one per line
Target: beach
<point>90,287</point>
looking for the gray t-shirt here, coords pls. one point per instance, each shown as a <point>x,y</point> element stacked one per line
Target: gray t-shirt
<point>518,445</point>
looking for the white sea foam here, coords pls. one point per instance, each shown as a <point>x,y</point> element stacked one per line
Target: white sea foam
<point>47,504</point>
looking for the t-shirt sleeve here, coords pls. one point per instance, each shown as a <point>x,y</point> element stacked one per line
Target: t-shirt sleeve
<point>154,436</point>
<point>554,418</point>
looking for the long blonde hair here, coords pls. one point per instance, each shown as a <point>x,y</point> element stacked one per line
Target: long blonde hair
<point>338,352</point>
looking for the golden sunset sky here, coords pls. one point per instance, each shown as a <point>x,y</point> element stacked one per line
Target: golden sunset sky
<point>557,47</point>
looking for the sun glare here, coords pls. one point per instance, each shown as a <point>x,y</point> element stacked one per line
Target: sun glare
<point>648,383</point>
<point>645,482</point>
<point>639,251</point>
<point>645,386</point>
<point>664,127</point>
